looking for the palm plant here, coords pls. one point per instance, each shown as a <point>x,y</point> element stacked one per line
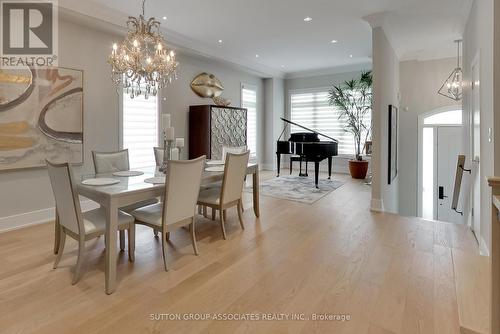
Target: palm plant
<point>353,99</point>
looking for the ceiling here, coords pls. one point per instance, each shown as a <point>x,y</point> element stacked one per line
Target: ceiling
<point>275,30</point>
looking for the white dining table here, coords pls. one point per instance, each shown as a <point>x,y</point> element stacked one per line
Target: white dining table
<point>131,190</point>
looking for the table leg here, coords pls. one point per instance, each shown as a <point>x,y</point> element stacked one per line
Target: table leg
<point>57,234</point>
<point>255,179</point>
<point>316,173</point>
<point>111,229</point>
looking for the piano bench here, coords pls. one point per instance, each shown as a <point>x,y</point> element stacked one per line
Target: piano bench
<point>299,159</point>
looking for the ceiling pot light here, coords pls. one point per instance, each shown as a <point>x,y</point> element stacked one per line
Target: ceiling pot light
<point>452,87</point>
<point>165,18</point>
<point>256,56</point>
<point>220,41</point>
<point>334,41</point>
<point>308,19</point>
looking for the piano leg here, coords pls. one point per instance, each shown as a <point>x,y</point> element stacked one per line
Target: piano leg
<point>306,169</point>
<point>316,173</point>
<point>330,167</point>
<point>278,158</point>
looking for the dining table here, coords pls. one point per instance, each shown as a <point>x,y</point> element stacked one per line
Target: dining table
<point>134,189</point>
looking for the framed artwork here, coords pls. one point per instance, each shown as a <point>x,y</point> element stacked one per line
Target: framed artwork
<point>393,144</point>
<point>41,117</point>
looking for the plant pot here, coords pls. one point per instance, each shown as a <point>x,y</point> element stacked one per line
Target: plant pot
<point>358,168</point>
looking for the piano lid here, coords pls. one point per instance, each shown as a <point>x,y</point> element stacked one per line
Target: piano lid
<point>303,127</point>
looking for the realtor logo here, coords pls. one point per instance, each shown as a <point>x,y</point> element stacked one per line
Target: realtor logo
<point>28,33</point>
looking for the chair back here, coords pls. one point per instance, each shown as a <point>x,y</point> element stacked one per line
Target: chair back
<point>234,150</point>
<point>110,162</point>
<point>234,175</point>
<point>182,187</point>
<point>67,203</point>
<point>158,155</point>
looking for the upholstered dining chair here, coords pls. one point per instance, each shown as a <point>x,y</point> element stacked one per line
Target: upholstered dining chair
<point>110,162</point>
<point>158,151</point>
<point>230,192</point>
<point>81,226</point>
<point>178,208</point>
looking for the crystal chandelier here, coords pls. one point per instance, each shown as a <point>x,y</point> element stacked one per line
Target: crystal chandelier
<point>452,87</point>
<point>142,63</point>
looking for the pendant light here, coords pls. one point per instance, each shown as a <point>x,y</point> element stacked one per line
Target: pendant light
<point>452,87</point>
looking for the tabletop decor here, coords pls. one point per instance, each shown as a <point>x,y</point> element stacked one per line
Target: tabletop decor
<point>168,138</point>
<point>101,181</point>
<point>41,117</point>
<point>142,63</point>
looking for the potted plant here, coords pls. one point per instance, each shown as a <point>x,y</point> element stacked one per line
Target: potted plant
<point>353,99</point>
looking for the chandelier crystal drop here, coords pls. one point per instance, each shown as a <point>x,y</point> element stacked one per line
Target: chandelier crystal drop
<point>142,64</point>
<point>452,87</point>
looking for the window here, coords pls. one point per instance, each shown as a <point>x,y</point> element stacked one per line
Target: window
<point>249,101</point>
<point>452,117</point>
<point>312,110</point>
<point>140,129</point>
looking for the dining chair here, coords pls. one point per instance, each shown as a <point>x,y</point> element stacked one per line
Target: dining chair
<point>230,192</point>
<point>110,162</point>
<point>158,151</point>
<point>178,208</point>
<point>232,149</point>
<point>77,225</point>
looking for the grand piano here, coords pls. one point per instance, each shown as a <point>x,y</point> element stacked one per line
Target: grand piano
<point>308,146</point>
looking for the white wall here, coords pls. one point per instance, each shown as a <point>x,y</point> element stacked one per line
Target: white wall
<point>419,84</point>
<point>274,109</point>
<point>385,92</point>
<point>478,42</point>
<point>26,195</point>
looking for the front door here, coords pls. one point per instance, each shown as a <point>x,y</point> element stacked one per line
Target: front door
<point>476,150</point>
<point>449,146</point>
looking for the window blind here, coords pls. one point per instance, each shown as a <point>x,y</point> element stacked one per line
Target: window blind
<point>311,109</point>
<point>140,129</point>
<point>249,101</point>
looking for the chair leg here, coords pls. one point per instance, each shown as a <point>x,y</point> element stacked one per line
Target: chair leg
<point>223,228</point>
<point>193,236</point>
<point>213,213</point>
<point>164,248</point>
<point>199,210</point>
<point>224,213</point>
<point>122,240</point>
<point>62,239</point>
<point>57,234</point>
<point>205,213</point>
<point>167,235</point>
<point>240,210</point>
<point>131,242</point>
<point>155,231</point>
<point>79,262</point>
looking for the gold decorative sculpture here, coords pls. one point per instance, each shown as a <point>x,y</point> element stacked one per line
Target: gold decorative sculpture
<point>220,101</point>
<point>207,85</point>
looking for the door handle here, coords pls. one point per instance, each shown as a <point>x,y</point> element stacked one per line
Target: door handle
<point>441,194</point>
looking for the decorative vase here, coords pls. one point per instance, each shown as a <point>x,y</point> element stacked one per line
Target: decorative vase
<point>358,168</point>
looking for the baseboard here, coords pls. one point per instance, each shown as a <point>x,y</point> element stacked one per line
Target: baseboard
<point>36,217</point>
<point>377,205</point>
<point>483,248</point>
<point>267,167</point>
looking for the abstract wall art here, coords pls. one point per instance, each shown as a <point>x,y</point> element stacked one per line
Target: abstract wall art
<point>41,117</point>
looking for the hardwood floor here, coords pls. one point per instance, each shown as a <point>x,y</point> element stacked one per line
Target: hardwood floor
<point>390,274</point>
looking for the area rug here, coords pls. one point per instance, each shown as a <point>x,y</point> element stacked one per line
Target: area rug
<point>296,188</point>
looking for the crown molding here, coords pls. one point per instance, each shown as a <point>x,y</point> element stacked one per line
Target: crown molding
<point>330,71</point>
<point>111,21</point>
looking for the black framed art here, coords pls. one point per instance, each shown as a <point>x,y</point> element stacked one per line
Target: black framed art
<point>393,144</point>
